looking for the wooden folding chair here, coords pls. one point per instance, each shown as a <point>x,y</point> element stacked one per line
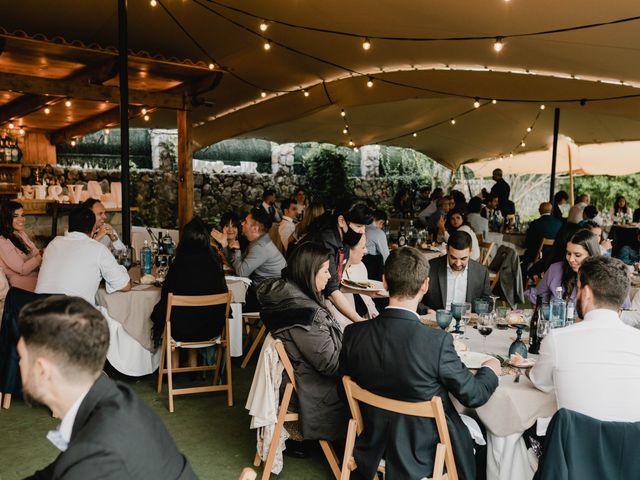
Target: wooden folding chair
<point>170,345</point>
<point>248,474</point>
<point>429,409</point>
<point>250,322</point>
<point>284,415</point>
<point>485,252</point>
<point>494,278</point>
<point>546,242</point>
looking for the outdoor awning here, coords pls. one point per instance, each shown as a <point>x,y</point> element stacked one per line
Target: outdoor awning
<point>416,85</point>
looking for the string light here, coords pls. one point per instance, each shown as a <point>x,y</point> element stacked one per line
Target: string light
<point>542,107</point>
<point>370,82</point>
<point>263,94</point>
<point>153,3</point>
<point>511,155</point>
<point>11,126</point>
<point>67,103</point>
<point>529,129</point>
<point>212,66</point>
<point>498,45</point>
<point>73,143</point>
<point>342,113</point>
<point>522,144</point>
<point>476,104</point>
<point>146,118</point>
<point>144,111</point>
<point>494,101</point>
<point>263,26</point>
<point>345,130</point>
<point>107,131</point>
<point>21,131</point>
<point>414,134</point>
<point>453,121</point>
<point>366,45</point>
<point>351,144</point>
<point>355,149</point>
<point>267,45</point>
<point>305,92</point>
<point>47,110</point>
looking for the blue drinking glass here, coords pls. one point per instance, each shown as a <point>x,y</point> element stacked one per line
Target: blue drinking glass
<point>481,306</point>
<point>443,317</point>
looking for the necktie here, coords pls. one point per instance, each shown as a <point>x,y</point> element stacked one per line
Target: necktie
<point>272,212</point>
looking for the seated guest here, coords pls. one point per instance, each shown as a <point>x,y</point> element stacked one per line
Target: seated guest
<point>262,258</point>
<point>195,270</point>
<point>630,254</point>
<point>545,226</point>
<point>459,201</point>
<point>229,226</point>
<point>430,209</point>
<point>456,222</point>
<point>560,205</point>
<point>594,365</point>
<point>476,221</point>
<point>454,277</point>
<point>591,214</point>
<point>396,356</point>
<point>104,233</point>
<point>269,205</point>
<point>402,203</point>
<point>293,311</point>
<point>377,246</point>
<point>440,215</point>
<point>312,213</point>
<point>339,232</point>
<point>302,201</point>
<point>620,211</point>
<point>583,244</point>
<point>106,430</point>
<point>422,200</point>
<point>575,212</point>
<point>19,257</point>
<point>494,214</point>
<point>596,229</point>
<point>287,225</point>
<point>636,214</point>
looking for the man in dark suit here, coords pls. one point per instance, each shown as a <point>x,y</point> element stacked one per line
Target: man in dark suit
<point>269,205</point>
<point>106,430</point>
<point>545,226</point>
<point>454,277</point>
<point>396,356</point>
<point>501,189</point>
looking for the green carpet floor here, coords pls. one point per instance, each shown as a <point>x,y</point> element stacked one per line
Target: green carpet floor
<point>215,438</point>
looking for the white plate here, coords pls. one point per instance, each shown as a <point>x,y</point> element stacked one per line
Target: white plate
<point>525,363</point>
<point>474,360</point>
<point>375,286</point>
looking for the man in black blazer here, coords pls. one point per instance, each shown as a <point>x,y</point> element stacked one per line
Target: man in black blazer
<point>545,226</point>
<point>396,356</point>
<point>106,430</point>
<point>467,278</point>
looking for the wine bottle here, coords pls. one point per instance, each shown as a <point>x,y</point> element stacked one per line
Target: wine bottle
<point>534,341</point>
<point>402,238</point>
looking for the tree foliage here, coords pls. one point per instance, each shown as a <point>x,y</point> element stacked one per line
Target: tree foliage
<point>327,170</point>
<point>604,189</point>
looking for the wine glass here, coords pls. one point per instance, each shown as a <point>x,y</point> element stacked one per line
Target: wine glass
<point>465,319</point>
<point>443,317</point>
<point>457,310</point>
<point>126,257</point>
<point>485,327</point>
<point>544,326</point>
<point>481,306</point>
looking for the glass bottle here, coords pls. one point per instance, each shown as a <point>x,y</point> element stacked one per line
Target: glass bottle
<point>558,309</point>
<point>534,340</point>
<point>145,259</point>
<point>402,237</point>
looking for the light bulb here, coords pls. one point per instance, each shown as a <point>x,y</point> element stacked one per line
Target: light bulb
<point>355,149</point>
<point>498,45</point>
<point>264,26</point>
<point>73,143</point>
<point>351,144</point>
<point>529,129</point>
<point>263,94</point>
<point>11,126</point>
<point>21,131</point>
<point>305,92</point>
<point>212,66</point>
<point>494,101</point>
<point>370,82</point>
<point>267,45</point>
<point>146,118</point>
<point>144,111</point>
<point>415,134</point>
<point>67,103</point>
<point>476,104</point>
<point>153,3</point>
<point>522,144</point>
<point>542,107</point>
<point>47,110</point>
<point>342,113</point>
<point>453,121</point>
<point>366,44</point>
<point>511,155</point>
<point>345,130</point>
<point>106,131</point>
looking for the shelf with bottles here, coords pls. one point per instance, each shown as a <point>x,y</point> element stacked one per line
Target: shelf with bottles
<point>10,178</point>
<point>9,150</point>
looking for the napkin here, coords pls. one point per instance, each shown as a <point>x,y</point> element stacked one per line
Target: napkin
<point>245,280</point>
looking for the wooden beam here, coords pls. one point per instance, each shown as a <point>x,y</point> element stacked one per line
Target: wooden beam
<point>84,90</point>
<point>93,124</point>
<point>185,169</point>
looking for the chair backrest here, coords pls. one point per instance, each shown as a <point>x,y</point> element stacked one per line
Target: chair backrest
<point>284,358</point>
<point>430,409</point>
<point>197,301</point>
<point>485,252</point>
<point>546,242</point>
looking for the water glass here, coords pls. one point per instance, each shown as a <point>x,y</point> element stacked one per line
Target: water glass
<point>481,306</point>
<point>543,328</point>
<point>443,317</point>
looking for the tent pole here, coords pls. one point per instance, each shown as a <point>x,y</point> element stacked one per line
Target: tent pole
<point>571,186</point>
<point>123,70</point>
<point>185,168</point>
<point>556,127</point>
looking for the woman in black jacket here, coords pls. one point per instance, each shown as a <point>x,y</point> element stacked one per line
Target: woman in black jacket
<point>293,311</point>
<point>195,270</point>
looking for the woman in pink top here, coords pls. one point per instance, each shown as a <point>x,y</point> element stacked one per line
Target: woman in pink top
<point>19,257</point>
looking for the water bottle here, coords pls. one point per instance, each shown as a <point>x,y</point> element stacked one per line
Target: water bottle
<point>571,313</point>
<point>168,244</point>
<point>412,237</point>
<point>558,310</point>
<point>145,259</point>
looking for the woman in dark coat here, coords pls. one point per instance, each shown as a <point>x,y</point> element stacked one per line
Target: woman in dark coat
<point>195,270</point>
<point>293,312</point>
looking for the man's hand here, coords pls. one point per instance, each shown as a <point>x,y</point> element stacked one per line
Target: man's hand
<point>494,365</point>
<point>235,245</point>
<point>219,237</point>
<point>104,229</point>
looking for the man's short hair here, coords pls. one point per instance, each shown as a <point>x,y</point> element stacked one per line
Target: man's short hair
<point>82,219</point>
<point>69,329</point>
<point>459,240</point>
<point>608,279</point>
<point>359,214</point>
<point>267,193</point>
<point>286,203</point>
<point>583,196</point>
<point>497,172</point>
<point>405,271</point>
<point>475,205</point>
<point>380,215</point>
<point>263,218</point>
<point>590,212</point>
<point>425,189</point>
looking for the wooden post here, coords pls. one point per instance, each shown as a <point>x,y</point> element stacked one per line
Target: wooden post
<point>185,169</point>
<point>123,71</point>
<point>554,155</point>
<point>571,188</point>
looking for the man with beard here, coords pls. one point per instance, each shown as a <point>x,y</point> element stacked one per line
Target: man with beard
<point>105,429</point>
<point>594,365</point>
<point>455,278</point>
<point>103,232</point>
<point>339,232</point>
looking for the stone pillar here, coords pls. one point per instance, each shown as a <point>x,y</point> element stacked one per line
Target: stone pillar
<point>159,153</point>
<point>370,160</point>
<point>282,158</point>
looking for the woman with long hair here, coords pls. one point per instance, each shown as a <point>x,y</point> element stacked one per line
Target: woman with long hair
<point>294,312</point>
<point>456,220</point>
<point>196,270</point>
<point>19,257</point>
<point>312,212</point>
<point>229,226</point>
<point>560,205</point>
<point>620,209</point>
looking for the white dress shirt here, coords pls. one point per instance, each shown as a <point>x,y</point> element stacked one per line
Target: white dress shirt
<point>456,286</point>
<point>74,265</point>
<point>285,229</point>
<point>115,245</point>
<point>62,435</point>
<point>594,367</point>
<point>575,212</point>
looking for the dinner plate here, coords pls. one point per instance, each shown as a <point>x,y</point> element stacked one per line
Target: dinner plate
<point>374,285</point>
<point>525,363</point>
<point>474,360</point>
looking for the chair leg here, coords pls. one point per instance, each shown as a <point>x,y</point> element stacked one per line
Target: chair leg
<point>227,355</point>
<point>6,400</point>
<point>275,439</point>
<point>348,450</point>
<point>331,458</point>
<point>216,373</point>
<point>257,460</point>
<point>438,464</point>
<point>254,345</point>
<point>170,376</point>
<point>162,367</point>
